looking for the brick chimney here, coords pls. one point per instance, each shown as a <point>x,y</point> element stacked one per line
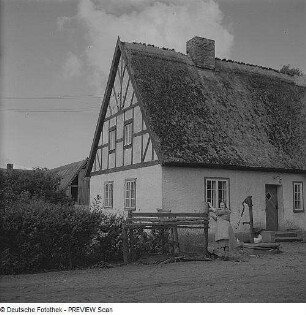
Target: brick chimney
<point>9,167</point>
<point>202,52</point>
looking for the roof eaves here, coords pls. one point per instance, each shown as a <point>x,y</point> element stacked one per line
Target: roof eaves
<point>233,167</point>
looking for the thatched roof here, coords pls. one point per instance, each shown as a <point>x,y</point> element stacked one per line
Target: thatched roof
<point>68,172</point>
<point>234,116</point>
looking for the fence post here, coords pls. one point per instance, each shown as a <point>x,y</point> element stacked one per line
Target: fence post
<point>205,214</point>
<point>125,248</point>
<point>176,244</point>
<point>206,253</point>
<point>132,239</point>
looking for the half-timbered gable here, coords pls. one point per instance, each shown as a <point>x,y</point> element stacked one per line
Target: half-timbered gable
<point>123,155</point>
<point>124,139</point>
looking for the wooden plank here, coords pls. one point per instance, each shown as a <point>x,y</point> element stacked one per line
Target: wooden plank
<point>146,149</point>
<point>176,241</point>
<point>206,253</point>
<point>125,248</point>
<point>154,227</point>
<point>162,234</point>
<point>143,219</point>
<point>163,225</point>
<point>261,245</point>
<point>166,222</point>
<point>190,226</point>
<point>163,219</point>
<point>169,214</point>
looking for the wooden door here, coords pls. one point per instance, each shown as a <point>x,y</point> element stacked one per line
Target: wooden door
<point>271,208</point>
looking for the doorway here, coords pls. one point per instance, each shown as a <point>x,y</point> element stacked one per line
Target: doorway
<point>271,208</point>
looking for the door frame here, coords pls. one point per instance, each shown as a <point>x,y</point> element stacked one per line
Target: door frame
<point>276,223</point>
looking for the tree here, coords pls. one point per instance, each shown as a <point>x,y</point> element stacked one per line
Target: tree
<point>286,69</point>
<point>30,184</point>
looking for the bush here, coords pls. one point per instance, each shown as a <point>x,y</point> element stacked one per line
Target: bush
<point>37,183</point>
<point>287,69</point>
<point>37,235</point>
<point>106,244</point>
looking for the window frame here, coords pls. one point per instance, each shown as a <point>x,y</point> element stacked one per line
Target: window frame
<point>130,206</point>
<point>294,184</point>
<point>106,184</point>
<point>128,123</point>
<point>227,190</point>
<point>112,130</point>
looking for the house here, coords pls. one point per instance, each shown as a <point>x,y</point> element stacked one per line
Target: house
<point>176,130</point>
<point>74,182</point>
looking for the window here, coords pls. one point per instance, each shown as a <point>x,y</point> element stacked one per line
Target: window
<point>217,190</point>
<point>128,134</point>
<point>108,194</point>
<point>298,196</point>
<point>130,194</point>
<point>112,140</point>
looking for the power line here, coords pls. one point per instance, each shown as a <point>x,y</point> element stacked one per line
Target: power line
<point>90,108</point>
<point>49,110</point>
<point>54,97</point>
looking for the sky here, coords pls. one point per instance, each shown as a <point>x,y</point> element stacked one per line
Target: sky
<point>56,57</point>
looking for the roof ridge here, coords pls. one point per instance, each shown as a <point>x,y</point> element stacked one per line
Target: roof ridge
<point>255,66</point>
<point>152,45</point>
<point>251,65</point>
<point>70,164</point>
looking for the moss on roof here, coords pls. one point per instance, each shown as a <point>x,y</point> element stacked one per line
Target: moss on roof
<point>228,117</point>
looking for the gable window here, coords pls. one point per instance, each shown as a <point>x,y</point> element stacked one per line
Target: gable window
<point>112,140</point>
<point>130,194</point>
<point>217,190</point>
<point>108,194</point>
<point>128,134</point>
<point>298,196</point>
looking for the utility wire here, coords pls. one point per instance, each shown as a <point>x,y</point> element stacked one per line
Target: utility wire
<point>55,97</point>
<point>49,110</point>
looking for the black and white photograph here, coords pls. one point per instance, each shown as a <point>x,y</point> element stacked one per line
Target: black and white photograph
<point>153,156</point>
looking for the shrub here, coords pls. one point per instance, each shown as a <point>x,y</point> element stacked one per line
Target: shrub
<point>38,235</point>
<point>287,69</point>
<point>106,244</point>
<point>37,183</point>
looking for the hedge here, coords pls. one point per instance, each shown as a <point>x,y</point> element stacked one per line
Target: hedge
<point>39,236</point>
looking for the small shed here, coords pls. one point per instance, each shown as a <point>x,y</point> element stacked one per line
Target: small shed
<point>74,182</point>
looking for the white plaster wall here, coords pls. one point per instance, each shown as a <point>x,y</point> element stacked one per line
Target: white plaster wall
<point>183,191</point>
<point>148,188</point>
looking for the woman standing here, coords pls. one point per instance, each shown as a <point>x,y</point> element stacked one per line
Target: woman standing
<point>224,234</point>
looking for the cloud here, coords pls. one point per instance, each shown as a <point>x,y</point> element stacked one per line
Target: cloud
<point>72,66</point>
<point>164,23</point>
<point>46,0</point>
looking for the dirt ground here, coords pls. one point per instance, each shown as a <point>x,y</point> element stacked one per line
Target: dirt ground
<point>263,277</point>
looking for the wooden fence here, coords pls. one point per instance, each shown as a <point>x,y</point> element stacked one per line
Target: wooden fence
<point>163,221</point>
